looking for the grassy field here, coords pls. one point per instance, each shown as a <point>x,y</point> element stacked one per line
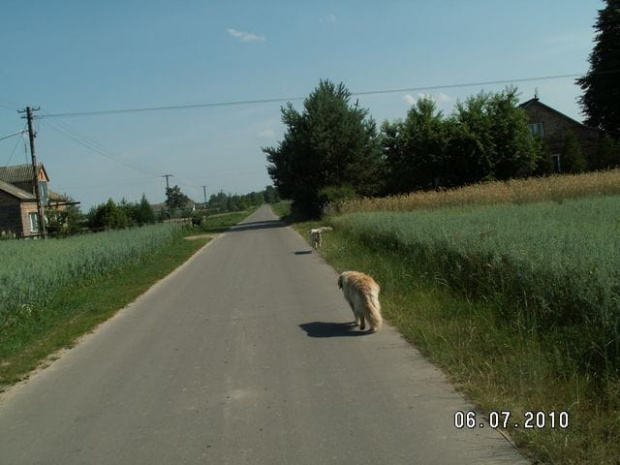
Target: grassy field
<point>62,289</point>
<point>517,300</point>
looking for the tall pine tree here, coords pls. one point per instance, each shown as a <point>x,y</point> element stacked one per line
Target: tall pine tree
<point>601,98</point>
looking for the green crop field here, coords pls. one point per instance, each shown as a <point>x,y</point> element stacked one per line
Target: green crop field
<point>546,266</point>
<point>32,272</point>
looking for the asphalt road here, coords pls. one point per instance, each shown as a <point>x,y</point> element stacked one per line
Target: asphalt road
<point>242,356</point>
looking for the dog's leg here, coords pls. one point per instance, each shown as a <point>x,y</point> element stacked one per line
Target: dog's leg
<point>363,322</point>
<point>357,317</point>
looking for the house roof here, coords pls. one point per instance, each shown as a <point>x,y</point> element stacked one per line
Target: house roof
<point>16,192</point>
<point>535,101</point>
<point>19,173</point>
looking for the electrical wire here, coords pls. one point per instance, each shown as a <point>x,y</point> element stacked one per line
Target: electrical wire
<point>12,135</point>
<point>289,99</point>
<point>93,148</point>
<point>66,130</point>
<point>15,147</point>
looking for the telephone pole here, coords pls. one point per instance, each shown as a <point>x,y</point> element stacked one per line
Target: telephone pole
<point>167,176</point>
<point>35,174</point>
<point>204,191</point>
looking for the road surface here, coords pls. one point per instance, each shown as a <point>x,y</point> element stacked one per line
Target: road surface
<point>242,356</point>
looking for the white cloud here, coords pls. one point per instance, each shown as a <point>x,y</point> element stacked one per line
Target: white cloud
<point>330,18</point>
<point>409,99</point>
<point>245,36</point>
<point>444,98</point>
<point>267,134</point>
<point>439,98</point>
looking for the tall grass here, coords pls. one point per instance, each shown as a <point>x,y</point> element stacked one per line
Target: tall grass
<point>545,267</point>
<point>33,272</point>
<point>553,188</point>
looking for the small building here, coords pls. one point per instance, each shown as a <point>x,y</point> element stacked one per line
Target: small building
<point>18,203</point>
<point>553,127</point>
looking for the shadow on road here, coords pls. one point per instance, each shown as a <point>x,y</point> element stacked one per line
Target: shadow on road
<point>303,252</point>
<point>323,329</point>
<point>252,225</point>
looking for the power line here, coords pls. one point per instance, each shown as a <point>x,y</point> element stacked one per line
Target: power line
<point>92,147</point>
<point>99,149</point>
<point>288,99</point>
<point>15,147</point>
<point>12,135</point>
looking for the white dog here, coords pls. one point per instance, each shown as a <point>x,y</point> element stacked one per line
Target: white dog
<point>316,236</point>
<point>362,293</point>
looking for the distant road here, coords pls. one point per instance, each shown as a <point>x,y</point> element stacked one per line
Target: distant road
<point>242,356</point>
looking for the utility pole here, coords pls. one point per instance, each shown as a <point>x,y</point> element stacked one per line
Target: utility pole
<point>167,176</point>
<point>204,191</point>
<point>35,174</point>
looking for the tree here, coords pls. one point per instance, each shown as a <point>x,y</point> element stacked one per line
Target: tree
<point>572,159</point>
<point>601,85</point>
<point>608,155</point>
<point>416,148</point>
<point>175,199</point>
<point>331,143</point>
<point>144,213</point>
<point>107,216</point>
<point>490,139</point>
<point>271,194</point>
<point>63,222</point>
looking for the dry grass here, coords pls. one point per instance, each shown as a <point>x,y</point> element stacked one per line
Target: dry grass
<point>555,188</point>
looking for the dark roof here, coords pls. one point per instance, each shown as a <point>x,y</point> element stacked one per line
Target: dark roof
<point>16,191</point>
<point>535,101</point>
<point>19,173</point>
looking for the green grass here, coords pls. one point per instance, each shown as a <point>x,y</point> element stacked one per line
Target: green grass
<point>36,331</point>
<point>545,268</point>
<point>33,271</point>
<point>282,209</point>
<point>219,223</point>
<point>514,303</point>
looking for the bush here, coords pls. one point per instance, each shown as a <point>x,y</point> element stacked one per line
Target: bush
<point>331,198</point>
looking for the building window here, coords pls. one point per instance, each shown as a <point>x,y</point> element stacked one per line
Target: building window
<point>43,192</point>
<point>34,222</point>
<point>557,165</point>
<point>536,129</point>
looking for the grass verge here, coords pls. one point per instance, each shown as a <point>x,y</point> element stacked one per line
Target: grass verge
<point>283,210</point>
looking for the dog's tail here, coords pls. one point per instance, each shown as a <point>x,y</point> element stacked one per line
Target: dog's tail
<point>373,310</point>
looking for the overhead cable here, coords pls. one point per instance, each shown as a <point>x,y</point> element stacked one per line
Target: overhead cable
<point>289,99</point>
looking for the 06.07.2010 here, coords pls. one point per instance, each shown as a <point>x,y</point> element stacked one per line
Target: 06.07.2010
<point>502,419</point>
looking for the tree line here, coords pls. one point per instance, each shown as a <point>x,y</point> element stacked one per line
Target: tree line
<point>125,214</point>
<point>333,149</point>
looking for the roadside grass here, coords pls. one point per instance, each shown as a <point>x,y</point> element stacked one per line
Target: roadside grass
<point>283,210</point>
<point>72,311</point>
<point>219,223</point>
<point>498,361</point>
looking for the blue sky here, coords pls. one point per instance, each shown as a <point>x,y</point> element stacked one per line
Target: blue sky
<point>74,56</point>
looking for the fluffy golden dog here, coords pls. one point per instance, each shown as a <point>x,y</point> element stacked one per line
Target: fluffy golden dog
<point>316,236</point>
<point>362,293</point>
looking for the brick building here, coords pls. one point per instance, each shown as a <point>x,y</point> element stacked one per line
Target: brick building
<point>553,127</point>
